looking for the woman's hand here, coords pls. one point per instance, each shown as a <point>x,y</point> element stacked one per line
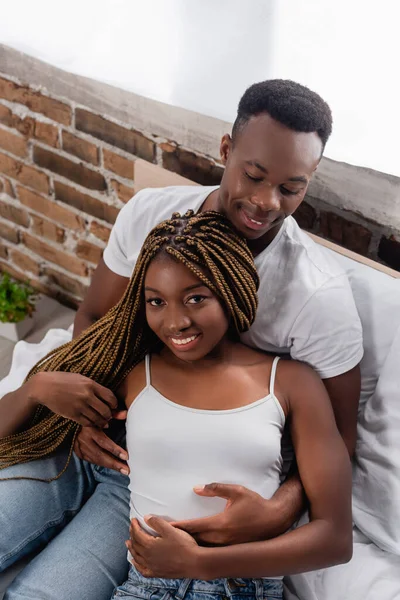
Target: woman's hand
<point>173,554</point>
<point>72,396</point>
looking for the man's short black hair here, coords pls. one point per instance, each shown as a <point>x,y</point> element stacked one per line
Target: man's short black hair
<point>289,103</point>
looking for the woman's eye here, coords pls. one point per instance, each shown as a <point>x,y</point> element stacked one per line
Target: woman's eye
<point>287,192</point>
<point>154,301</point>
<point>196,299</point>
<point>256,179</point>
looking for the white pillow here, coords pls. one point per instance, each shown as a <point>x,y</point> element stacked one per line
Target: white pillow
<point>377,297</point>
<point>376,473</point>
<point>376,481</point>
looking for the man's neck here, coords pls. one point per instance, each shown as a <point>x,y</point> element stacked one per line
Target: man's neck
<point>256,246</point>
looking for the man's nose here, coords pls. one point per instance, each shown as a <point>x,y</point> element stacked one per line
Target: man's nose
<point>267,200</point>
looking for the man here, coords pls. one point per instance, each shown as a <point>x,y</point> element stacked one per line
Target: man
<point>306,309</point>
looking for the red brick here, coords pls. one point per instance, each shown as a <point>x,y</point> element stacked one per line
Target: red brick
<point>346,233</point>
<point>24,174</point>
<point>46,133</point>
<point>47,229</point>
<point>167,147</point>
<point>14,214</point>
<point>89,251</point>
<point>6,115</point>
<point>306,216</point>
<point>100,231</point>
<point>8,188</point>
<point>124,192</point>
<point>28,127</point>
<point>126,139</point>
<point>188,164</point>
<point>25,126</point>
<point>14,144</point>
<point>118,164</point>
<point>24,262</point>
<point>76,172</point>
<point>35,101</point>
<point>9,233</point>
<point>71,285</point>
<point>3,251</point>
<point>88,204</point>
<point>80,148</point>
<point>389,251</point>
<point>67,261</point>
<point>51,209</point>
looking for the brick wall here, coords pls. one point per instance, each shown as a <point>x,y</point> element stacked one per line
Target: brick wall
<point>66,171</point>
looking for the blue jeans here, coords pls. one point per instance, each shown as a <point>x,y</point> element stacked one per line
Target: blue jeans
<point>78,524</point>
<point>143,588</point>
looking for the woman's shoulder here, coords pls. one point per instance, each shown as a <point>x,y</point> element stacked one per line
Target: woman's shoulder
<point>252,356</point>
<point>133,384</point>
<point>298,383</point>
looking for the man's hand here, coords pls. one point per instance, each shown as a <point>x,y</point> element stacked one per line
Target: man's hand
<point>72,396</point>
<point>171,555</point>
<point>94,446</point>
<point>247,517</point>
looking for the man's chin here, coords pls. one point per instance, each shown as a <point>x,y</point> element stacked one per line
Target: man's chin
<point>251,234</point>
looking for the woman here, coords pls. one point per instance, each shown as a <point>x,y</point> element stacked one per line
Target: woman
<point>201,405</point>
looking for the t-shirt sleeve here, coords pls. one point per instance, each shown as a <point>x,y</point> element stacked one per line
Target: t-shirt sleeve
<point>327,333</point>
<point>115,253</point>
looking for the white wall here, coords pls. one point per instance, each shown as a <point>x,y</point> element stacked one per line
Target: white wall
<point>202,54</point>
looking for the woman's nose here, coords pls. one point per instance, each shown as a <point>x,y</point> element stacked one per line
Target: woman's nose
<point>176,322</point>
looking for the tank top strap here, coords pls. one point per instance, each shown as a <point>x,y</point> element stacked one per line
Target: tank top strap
<point>147,368</point>
<point>273,375</point>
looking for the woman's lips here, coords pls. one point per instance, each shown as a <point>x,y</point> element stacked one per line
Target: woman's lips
<point>183,344</point>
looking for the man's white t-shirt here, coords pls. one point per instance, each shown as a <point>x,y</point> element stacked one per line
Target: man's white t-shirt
<point>306,306</point>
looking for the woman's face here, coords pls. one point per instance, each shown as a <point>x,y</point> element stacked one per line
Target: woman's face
<point>185,314</point>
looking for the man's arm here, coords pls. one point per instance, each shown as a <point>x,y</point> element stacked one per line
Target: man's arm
<point>344,393</point>
<point>106,289</point>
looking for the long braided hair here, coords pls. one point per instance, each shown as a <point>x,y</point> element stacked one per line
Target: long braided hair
<point>108,350</point>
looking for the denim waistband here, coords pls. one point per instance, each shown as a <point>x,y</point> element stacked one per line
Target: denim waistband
<point>257,588</point>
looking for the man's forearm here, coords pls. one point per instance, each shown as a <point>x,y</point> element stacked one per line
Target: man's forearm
<point>313,546</point>
<point>291,501</point>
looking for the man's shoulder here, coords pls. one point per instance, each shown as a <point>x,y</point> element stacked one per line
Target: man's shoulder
<point>148,208</point>
<point>305,259</point>
<point>167,199</point>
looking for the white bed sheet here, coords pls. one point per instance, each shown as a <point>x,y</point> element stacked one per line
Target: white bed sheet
<point>372,574</point>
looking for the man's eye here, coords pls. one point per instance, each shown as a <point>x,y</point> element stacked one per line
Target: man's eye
<point>196,299</point>
<point>256,179</point>
<point>154,301</point>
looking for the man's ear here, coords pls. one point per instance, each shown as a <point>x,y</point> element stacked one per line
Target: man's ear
<point>225,148</point>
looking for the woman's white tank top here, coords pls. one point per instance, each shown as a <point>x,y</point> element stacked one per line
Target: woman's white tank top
<point>173,448</point>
